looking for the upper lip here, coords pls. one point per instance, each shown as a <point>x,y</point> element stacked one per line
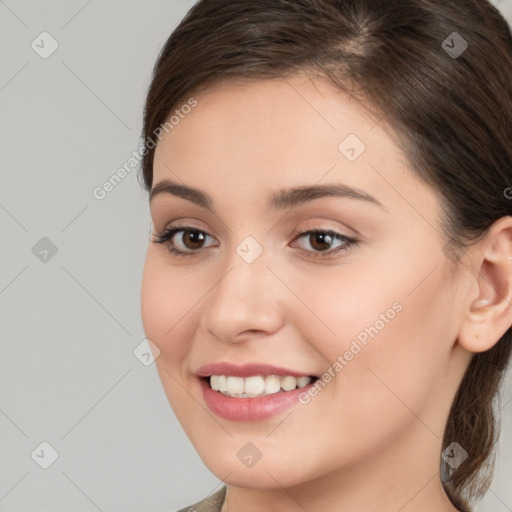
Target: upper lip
<point>246,370</point>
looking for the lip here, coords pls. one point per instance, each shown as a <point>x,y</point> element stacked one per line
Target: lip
<point>249,410</point>
<point>247,370</point>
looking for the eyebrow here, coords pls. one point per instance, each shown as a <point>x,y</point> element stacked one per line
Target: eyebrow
<point>279,200</point>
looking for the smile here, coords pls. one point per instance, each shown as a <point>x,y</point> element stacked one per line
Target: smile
<point>256,385</point>
<point>251,392</point>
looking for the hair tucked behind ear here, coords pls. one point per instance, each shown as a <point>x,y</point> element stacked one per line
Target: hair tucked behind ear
<point>473,424</point>
<point>451,112</point>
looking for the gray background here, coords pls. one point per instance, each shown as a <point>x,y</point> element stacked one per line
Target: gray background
<point>69,323</point>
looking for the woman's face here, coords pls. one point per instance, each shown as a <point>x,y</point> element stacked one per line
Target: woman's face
<point>375,319</point>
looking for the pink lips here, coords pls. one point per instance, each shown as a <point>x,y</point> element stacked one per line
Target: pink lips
<point>248,409</point>
<point>246,370</point>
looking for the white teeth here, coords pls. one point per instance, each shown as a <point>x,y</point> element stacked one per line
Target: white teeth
<point>272,384</point>
<point>253,385</point>
<point>303,381</point>
<point>288,383</point>
<point>235,384</point>
<point>256,385</point>
<point>222,383</point>
<point>214,382</point>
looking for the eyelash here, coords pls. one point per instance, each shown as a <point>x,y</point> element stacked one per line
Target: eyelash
<point>169,233</point>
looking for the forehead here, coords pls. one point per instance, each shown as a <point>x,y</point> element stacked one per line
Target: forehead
<point>274,115</point>
<point>267,135</point>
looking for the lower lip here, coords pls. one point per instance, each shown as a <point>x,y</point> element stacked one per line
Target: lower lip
<point>250,409</point>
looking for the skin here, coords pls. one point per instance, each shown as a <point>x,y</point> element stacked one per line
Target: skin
<point>371,439</point>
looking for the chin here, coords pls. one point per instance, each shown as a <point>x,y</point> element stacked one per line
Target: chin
<point>269,472</point>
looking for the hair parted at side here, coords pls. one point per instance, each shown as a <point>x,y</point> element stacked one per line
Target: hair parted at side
<point>451,115</point>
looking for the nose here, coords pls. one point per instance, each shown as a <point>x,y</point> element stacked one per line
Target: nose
<point>246,302</point>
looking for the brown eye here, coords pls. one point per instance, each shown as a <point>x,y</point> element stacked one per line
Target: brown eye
<point>188,241</point>
<point>321,243</point>
<point>192,239</point>
<point>183,241</point>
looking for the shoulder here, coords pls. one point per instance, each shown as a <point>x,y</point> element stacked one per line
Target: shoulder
<point>212,503</point>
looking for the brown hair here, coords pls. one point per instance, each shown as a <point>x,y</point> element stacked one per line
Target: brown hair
<point>449,106</point>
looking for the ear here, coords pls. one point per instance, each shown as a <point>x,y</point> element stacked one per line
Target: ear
<point>489,312</point>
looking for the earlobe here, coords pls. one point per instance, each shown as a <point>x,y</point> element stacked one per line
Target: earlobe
<point>489,315</point>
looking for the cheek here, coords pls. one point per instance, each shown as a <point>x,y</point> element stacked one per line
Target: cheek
<point>340,307</point>
<point>392,333</point>
<point>394,346</point>
<point>167,304</point>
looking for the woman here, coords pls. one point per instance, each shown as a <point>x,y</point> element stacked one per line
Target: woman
<point>329,277</point>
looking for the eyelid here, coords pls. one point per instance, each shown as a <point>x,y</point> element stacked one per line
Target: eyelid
<point>169,232</point>
<point>348,242</point>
